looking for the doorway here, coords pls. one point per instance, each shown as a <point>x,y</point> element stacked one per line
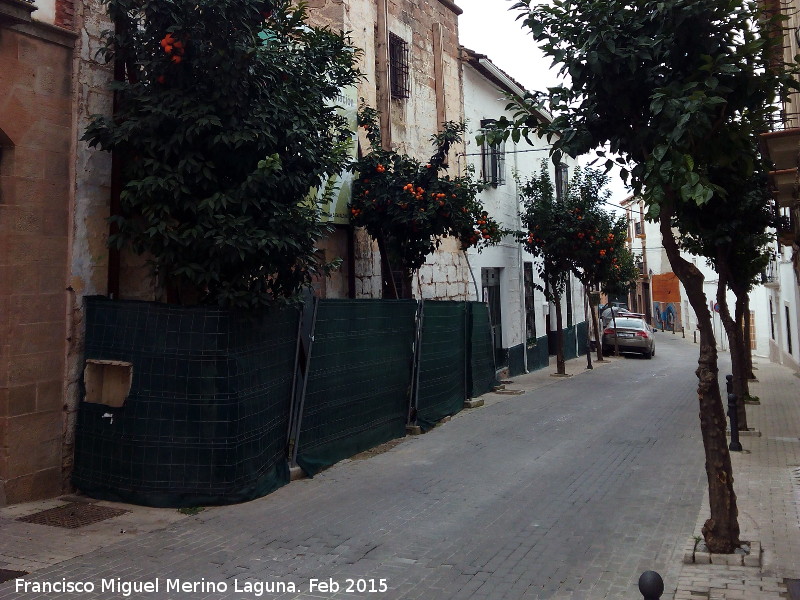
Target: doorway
<point>490,287</point>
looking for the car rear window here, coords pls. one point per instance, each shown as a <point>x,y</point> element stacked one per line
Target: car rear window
<point>633,323</point>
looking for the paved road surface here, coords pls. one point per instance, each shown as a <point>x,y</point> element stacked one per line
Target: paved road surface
<point>568,491</point>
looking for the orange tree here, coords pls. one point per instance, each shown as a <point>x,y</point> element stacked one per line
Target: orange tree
<point>598,251</point>
<point>408,206</point>
<point>550,235</point>
<point>223,122</point>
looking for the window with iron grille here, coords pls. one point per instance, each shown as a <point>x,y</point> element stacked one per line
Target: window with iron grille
<point>399,80</point>
<point>637,227</point>
<point>562,180</point>
<point>493,160</point>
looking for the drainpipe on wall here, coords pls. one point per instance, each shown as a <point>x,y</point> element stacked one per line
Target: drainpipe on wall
<point>521,265</point>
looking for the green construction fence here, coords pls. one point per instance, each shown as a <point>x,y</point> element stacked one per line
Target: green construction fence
<point>483,374</point>
<point>212,393</point>
<point>205,419</point>
<point>442,385</point>
<point>359,379</point>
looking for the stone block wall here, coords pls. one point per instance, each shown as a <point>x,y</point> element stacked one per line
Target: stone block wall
<point>36,140</point>
<point>434,97</point>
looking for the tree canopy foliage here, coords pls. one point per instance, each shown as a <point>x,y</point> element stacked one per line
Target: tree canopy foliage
<point>571,233</point>
<point>409,206</point>
<point>679,90</point>
<point>575,234</point>
<point>224,122</point>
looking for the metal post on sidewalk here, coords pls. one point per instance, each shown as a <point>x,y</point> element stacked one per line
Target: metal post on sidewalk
<point>651,586</point>
<point>733,415</point>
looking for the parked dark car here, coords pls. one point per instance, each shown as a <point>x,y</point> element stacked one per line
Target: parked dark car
<point>632,334</point>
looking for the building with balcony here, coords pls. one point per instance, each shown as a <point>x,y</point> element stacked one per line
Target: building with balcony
<point>782,147</point>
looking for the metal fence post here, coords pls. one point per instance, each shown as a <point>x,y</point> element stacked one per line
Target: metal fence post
<point>305,340</point>
<point>733,415</point>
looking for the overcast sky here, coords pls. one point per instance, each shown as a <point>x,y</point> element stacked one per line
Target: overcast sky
<point>488,27</point>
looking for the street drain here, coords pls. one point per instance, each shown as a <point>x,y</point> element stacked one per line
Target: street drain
<point>8,575</point>
<point>73,515</point>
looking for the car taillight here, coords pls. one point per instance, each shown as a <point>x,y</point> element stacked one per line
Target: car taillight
<point>608,330</point>
<point>643,334</point>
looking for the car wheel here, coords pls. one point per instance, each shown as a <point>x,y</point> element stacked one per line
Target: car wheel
<point>648,355</point>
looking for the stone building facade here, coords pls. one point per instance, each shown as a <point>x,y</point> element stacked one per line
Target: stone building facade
<point>410,62</point>
<point>55,200</point>
<point>36,144</point>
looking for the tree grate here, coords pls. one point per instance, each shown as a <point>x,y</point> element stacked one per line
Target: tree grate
<point>73,515</point>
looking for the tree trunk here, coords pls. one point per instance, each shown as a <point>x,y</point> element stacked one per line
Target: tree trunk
<point>586,308</point>
<point>561,368</point>
<point>388,287</point>
<point>597,334</point>
<point>721,530</point>
<point>741,314</point>
<point>749,354</point>
<point>736,341</point>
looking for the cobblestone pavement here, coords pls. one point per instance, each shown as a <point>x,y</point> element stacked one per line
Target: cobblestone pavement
<point>569,490</point>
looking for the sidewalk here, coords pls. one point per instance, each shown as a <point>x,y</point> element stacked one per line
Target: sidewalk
<point>767,484</point>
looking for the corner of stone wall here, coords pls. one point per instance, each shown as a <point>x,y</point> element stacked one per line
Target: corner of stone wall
<point>89,211</point>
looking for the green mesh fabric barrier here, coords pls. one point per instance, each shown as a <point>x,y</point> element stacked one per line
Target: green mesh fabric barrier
<point>516,360</point>
<point>537,355</point>
<point>482,377</point>
<point>357,394</point>
<point>206,418</point>
<point>570,349</point>
<point>442,365</point>
<point>581,331</point>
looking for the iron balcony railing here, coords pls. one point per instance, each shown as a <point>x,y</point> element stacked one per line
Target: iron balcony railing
<point>770,273</point>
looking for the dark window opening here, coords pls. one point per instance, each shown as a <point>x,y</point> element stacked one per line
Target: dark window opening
<point>637,228</point>
<point>788,331</point>
<point>530,304</point>
<point>568,293</point>
<point>562,181</point>
<point>771,320</point>
<point>493,160</point>
<point>399,79</point>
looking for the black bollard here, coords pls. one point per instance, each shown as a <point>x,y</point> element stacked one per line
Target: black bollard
<point>651,586</point>
<point>733,415</point>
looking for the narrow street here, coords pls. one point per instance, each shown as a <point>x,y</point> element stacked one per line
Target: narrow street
<point>567,491</point>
